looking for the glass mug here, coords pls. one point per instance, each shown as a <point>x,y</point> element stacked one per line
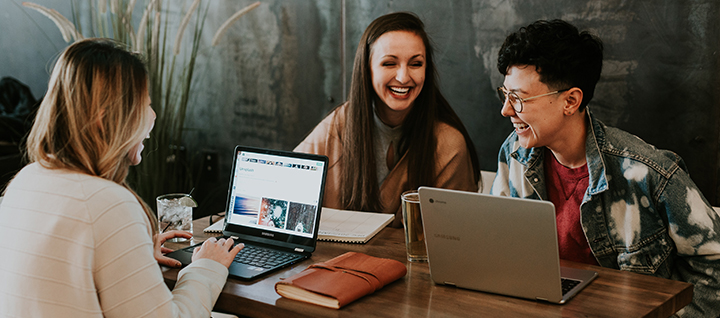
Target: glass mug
<point>412,222</point>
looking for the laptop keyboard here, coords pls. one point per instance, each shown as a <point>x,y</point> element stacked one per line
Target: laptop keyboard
<point>259,256</point>
<point>568,284</point>
<point>263,257</point>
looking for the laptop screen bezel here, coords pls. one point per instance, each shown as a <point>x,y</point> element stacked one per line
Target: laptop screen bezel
<point>267,236</point>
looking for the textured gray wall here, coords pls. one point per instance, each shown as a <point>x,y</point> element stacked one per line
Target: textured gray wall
<point>282,67</point>
<point>29,43</point>
<point>272,78</point>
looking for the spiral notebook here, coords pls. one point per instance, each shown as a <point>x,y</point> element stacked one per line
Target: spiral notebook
<point>340,225</point>
<point>351,226</point>
<point>216,227</point>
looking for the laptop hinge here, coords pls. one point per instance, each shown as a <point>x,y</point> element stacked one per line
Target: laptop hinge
<point>299,250</point>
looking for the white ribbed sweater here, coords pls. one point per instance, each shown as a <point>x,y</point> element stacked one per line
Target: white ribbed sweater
<point>73,245</point>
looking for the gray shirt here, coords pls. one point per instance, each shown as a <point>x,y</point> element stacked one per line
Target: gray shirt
<point>383,136</point>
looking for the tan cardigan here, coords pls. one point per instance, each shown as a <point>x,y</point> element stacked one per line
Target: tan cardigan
<point>453,164</point>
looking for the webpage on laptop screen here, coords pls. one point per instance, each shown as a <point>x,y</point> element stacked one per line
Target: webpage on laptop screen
<point>276,193</point>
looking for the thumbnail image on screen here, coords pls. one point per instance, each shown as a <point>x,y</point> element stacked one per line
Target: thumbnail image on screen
<point>246,208</point>
<point>301,217</point>
<point>273,213</point>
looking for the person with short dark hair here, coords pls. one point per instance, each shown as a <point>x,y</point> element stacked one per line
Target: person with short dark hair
<point>620,202</point>
<point>396,131</point>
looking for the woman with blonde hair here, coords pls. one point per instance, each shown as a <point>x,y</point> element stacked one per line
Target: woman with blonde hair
<point>76,240</point>
<point>396,131</point>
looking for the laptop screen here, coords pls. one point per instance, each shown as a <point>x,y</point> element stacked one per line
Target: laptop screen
<point>276,195</point>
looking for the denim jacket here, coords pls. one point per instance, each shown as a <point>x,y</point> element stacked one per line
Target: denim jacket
<point>641,211</point>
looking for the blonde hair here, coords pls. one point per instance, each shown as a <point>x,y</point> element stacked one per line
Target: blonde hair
<point>93,113</point>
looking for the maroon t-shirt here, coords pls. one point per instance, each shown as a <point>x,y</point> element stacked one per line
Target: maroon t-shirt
<point>565,189</point>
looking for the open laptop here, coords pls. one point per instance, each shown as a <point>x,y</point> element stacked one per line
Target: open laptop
<point>495,244</point>
<point>273,207</point>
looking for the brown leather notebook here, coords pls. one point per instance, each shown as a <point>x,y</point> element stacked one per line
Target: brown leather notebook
<point>341,280</point>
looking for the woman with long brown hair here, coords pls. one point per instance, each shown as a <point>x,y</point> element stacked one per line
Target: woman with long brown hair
<point>396,132</point>
<point>76,240</point>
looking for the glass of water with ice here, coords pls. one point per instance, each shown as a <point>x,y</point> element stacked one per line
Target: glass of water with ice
<point>175,213</point>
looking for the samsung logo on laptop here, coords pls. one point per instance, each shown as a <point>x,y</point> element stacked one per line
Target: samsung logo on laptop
<point>447,237</point>
<point>267,234</point>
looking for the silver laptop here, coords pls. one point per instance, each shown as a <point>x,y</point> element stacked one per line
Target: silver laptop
<point>495,244</point>
<point>273,207</point>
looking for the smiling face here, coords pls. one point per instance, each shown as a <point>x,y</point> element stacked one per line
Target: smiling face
<point>135,154</point>
<point>541,122</point>
<point>397,65</point>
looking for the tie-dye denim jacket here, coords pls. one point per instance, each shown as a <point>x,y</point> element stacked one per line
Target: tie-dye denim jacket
<point>641,211</point>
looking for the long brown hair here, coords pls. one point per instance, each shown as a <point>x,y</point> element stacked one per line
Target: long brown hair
<point>93,113</point>
<point>360,190</point>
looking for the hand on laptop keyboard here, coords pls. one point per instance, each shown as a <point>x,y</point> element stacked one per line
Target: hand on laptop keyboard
<point>160,250</point>
<point>221,250</point>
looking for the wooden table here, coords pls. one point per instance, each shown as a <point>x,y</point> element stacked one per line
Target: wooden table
<point>613,294</point>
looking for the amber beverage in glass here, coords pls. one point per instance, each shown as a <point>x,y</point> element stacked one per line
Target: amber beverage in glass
<point>412,221</point>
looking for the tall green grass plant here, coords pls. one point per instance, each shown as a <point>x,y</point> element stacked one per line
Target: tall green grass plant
<point>160,36</point>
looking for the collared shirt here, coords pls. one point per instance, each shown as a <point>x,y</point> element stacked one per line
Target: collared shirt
<point>641,211</point>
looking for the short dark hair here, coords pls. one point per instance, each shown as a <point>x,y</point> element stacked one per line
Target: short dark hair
<point>564,57</point>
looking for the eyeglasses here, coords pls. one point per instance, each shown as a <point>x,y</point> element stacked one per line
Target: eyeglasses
<point>516,101</point>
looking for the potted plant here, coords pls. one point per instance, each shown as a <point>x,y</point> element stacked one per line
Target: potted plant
<point>171,65</point>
